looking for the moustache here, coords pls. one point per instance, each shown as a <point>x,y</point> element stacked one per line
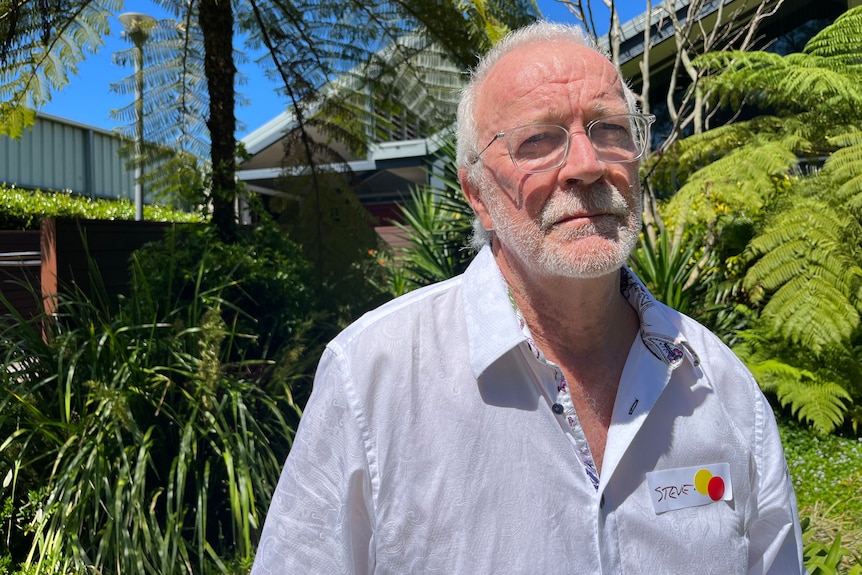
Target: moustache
<point>598,199</point>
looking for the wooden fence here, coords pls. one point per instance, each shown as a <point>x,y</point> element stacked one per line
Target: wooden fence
<point>37,265</point>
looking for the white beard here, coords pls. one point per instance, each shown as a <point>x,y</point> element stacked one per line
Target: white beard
<point>592,250</point>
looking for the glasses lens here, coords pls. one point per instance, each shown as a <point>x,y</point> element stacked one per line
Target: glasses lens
<point>542,147</point>
<point>537,147</point>
<point>618,138</point>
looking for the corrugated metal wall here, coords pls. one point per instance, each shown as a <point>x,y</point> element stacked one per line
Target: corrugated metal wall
<point>58,154</point>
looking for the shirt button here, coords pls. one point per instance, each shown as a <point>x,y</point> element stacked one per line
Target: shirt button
<point>602,502</point>
<point>557,408</point>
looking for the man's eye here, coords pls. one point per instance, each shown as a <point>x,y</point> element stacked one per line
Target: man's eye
<point>535,138</point>
<point>610,134</point>
<point>540,140</point>
<point>610,128</point>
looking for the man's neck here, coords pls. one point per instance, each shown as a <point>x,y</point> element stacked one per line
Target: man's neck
<point>574,319</point>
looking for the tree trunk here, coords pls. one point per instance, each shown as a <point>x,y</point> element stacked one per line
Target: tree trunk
<point>216,22</point>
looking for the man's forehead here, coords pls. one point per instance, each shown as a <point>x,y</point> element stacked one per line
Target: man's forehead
<point>535,65</point>
<point>539,62</point>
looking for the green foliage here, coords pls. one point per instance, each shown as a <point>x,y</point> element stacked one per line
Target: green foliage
<point>806,274</point>
<point>808,258</point>
<point>142,437</point>
<point>669,268</point>
<point>823,559</point>
<point>438,231</point>
<point>826,469</point>
<point>337,237</point>
<point>262,278</point>
<point>738,183</point>
<point>23,209</point>
<point>437,220</point>
<point>813,387</point>
<point>801,269</point>
<point>826,475</point>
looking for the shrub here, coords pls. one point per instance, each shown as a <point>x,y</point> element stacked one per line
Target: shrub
<point>262,280</point>
<point>139,435</point>
<point>23,209</point>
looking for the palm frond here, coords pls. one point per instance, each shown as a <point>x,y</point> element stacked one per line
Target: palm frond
<point>437,221</point>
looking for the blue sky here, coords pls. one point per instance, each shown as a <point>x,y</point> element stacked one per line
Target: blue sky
<point>88,98</point>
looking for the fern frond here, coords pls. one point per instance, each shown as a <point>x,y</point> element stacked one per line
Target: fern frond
<point>809,81</point>
<point>737,183</point>
<point>822,403</point>
<point>809,221</point>
<point>773,373</point>
<point>812,312</point>
<point>783,259</point>
<point>734,76</point>
<point>792,83</point>
<point>851,193</point>
<point>845,168</point>
<point>797,379</point>
<point>807,265</point>
<point>839,42</point>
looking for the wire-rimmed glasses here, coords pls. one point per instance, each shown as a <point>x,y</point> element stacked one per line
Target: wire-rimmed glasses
<point>538,148</point>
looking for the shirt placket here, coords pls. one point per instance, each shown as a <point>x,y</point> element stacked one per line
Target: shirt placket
<point>563,406</point>
<point>564,399</point>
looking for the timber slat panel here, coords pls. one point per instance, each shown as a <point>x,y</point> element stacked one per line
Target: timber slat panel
<point>19,271</point>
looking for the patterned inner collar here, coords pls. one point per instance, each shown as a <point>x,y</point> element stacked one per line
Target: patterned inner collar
<point>668,347</point>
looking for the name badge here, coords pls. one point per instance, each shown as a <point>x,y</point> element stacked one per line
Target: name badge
<point>689,486</point>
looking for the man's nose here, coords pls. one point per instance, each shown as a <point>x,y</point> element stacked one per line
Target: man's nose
<point>581,164</point>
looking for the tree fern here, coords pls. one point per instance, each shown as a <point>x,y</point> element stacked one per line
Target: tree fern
<point>738,183</point>
<point>343,67</point>
<point>805,260</point>
<point>809,270</point>
<point>41,44</point>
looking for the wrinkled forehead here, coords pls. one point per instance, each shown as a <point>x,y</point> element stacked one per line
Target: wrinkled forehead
<point>552,74</point>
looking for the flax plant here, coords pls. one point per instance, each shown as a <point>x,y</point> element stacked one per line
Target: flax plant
<point>149,446</point>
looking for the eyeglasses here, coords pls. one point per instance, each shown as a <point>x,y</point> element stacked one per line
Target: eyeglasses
<point>543,147</point>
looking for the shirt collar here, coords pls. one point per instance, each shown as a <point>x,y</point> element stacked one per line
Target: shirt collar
<point>658,331</point>
<point>493,328</point>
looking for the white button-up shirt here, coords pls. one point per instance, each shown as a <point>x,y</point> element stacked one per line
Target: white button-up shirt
<point>433,442</point>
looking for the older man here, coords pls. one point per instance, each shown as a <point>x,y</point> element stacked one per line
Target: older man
<point>541,413</point>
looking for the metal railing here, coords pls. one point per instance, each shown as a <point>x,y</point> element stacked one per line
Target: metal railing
<point>31,259</point>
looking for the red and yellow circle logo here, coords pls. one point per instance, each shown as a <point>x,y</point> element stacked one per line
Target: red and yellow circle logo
<point>708,484</point>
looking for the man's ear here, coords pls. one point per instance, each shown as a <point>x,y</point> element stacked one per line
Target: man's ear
<point>471,192</point>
